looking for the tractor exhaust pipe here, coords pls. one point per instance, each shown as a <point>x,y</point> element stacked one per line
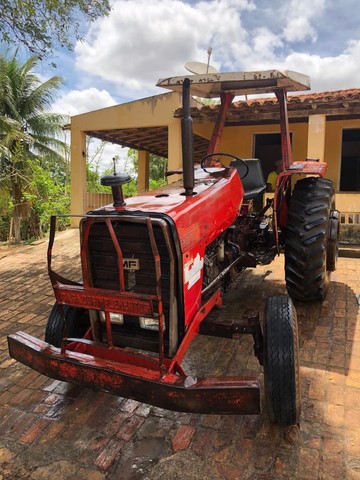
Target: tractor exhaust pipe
<point>187,141</point>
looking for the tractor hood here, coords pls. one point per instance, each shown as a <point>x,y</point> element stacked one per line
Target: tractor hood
<point>209,211</point>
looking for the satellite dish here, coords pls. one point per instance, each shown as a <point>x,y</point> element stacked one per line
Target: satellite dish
<point>200,68</point>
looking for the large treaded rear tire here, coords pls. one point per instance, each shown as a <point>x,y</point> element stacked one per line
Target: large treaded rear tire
<point>281,361</point>
<point>77,320</point>
<point>308,242</point>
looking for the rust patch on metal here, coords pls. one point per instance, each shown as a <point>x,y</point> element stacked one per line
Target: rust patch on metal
<point>229,395</point>
<point>113,302</point>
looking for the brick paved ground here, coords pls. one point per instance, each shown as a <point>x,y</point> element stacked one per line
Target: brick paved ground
<point>49,429</point>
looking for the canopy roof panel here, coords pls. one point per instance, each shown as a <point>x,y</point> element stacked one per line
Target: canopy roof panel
<point>211,85</point>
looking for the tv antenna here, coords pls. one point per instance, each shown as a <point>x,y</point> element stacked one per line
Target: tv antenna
<point>201,68</point>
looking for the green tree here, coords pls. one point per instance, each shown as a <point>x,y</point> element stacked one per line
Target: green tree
<point>157,168</point>
<point>42,25</point>
<point>28,131</point>
<point>93,183</point>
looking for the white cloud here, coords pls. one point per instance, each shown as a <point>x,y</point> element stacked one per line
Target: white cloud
<point>144,40</point>
<point>329,73</point>
<point>298,17</point>
<point>298,29</point>
<point>264,42</point>
<point>81,101</point>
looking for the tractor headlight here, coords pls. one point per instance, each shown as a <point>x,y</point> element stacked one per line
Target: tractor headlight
<point>117,318</point>
<point>149,323</point>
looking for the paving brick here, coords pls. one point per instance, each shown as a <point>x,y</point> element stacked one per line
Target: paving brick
<point>22,424</point>
<point>314,412</point>
<point>353,443</point>
<point>28,378</point>
<point>129,406</point>
<point>201,443</point>
<point>157,427</point>
<point>353,379</point>
<point>229,472</point>
<point>7,363</point>
<point>52,433</point>
<point>334,415</point>
<point>5,455</point>
<point>308,465</point>
<point>115,422</point>
<point>34,431</point>
<point>20,397</point>
<point>108,455</point>
<point>100,434</point>
<point>183,437</point>
<point>30,402</point>
<point>352,396</point>
<point>332,466</point>
<point>352,418</point>
<point>243,452</point>
<point>103,415</point>
<point>317,390</point>
<point>129,428</point>
<point>333,445</point>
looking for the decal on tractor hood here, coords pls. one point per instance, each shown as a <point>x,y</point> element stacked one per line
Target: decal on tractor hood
<point>192,270</point>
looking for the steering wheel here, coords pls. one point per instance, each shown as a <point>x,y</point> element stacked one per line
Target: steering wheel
<point>204,163</point>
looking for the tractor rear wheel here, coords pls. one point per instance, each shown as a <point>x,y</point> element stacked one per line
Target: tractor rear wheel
<point>311,239</point>
<point>281,361</point>
<point>77,320</point>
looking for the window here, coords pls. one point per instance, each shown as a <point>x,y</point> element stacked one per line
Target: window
<point>350,161</point>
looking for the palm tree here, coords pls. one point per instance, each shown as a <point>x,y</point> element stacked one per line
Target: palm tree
<point>28,130</point>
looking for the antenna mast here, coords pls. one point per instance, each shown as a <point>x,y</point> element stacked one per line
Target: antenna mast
<point>209,52</point>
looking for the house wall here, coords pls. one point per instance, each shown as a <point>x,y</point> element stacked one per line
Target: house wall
<point>318,138</point>
<point>147,112</point>
<point>240,141</point>
<point>333,144</point>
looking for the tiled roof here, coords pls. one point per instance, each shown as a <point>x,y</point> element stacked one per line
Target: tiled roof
<point>343,103</point>
<point>333,96</point>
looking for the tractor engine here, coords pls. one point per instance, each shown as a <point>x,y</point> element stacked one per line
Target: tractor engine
<point>218,255</point>
<point>246,243</point>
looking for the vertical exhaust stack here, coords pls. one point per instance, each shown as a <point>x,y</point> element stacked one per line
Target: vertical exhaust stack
<point>187,141</point>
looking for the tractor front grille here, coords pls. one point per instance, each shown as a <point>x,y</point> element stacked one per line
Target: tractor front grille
<point>134,242</point>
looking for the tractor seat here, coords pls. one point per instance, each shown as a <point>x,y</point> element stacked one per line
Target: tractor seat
<point>254,183</point>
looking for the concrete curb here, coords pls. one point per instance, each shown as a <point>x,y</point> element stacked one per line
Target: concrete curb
<point>349,251</point>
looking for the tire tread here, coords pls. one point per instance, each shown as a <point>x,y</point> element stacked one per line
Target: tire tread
<point>306,274</point>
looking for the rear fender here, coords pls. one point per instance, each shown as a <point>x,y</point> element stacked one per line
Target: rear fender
<point>284,186</point>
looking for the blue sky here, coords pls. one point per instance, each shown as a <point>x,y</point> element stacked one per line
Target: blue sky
<point>122,56</point>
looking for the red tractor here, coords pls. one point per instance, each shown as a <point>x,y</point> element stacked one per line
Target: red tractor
<point>155,265</point>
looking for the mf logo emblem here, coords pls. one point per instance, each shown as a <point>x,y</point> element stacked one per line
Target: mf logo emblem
<point>131,264</point>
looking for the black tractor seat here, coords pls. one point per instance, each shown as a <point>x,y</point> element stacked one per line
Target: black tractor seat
<point>254,182</point>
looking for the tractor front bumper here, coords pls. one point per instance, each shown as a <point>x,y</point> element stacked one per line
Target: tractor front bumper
<point>136,377</point>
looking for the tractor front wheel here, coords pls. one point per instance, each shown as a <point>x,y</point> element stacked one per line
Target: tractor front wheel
<point>77,323</point>
<point>281,361</point>
<point>311,239</point>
